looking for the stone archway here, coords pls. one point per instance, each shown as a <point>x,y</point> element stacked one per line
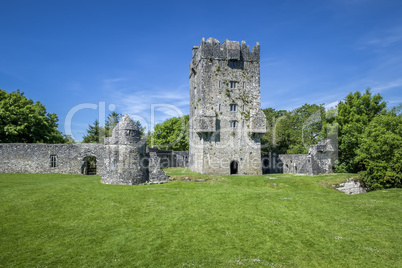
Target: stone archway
<point>89,165</point>
<point>234,167</point>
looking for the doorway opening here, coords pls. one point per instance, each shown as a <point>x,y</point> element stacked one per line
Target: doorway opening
<point>89,165</point>
<point>234,167</point>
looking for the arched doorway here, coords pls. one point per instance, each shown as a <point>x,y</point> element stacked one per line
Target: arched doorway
<point>234,166</point>
<point>89,165</point>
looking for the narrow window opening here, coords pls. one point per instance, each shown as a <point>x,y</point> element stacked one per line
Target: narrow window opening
<point>244,85</point>
<point>233,124</point>
<point>219,106</point>
<point>232,64</point>
<point>53,161</point>
<point>233,107</point>
<point>233,84</point>
<point>236,64</point>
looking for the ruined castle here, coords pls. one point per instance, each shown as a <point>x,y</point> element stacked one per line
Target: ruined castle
<point>226,120</point>
<point>226,125</point>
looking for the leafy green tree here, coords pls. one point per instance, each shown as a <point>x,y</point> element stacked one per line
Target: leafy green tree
<point>171,134</point>
<point>354,114</point>
<point>380,152</point>
<point>25,121</point>
<point>292,132</point>
<point>272,140</point>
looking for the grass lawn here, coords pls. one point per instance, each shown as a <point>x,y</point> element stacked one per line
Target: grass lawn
<point>278,220</point>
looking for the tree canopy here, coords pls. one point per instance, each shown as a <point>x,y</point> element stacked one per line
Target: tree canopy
<point>94,133</point>
<point>354,114</point>
<point>172,134</point>
<point>24,121</point>
<point>380,152</point>
<point>292,132</point>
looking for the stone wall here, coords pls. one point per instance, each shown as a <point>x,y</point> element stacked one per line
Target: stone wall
<point>36,158</point>
<point>123,158</point>
<point>296,163</point>
<point>319,160</point>
<point>271,163</point>
<point>171,158</point>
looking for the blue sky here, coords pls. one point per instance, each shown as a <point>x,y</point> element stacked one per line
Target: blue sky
<point>82,59</point>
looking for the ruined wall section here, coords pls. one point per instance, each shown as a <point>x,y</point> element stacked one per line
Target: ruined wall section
<point>170,158</point>
<point>156,174</point>
<point>321,157</point>
<point>36,158</point>
<point>318,161</point>
<point>225,108</point>
<point>296,163</point>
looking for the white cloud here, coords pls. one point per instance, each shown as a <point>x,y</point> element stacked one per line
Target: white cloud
<point>138,103</point>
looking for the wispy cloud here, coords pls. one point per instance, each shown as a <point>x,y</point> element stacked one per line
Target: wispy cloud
<point>142,104</point>
<point>387,85</point>
<point>381,39</point>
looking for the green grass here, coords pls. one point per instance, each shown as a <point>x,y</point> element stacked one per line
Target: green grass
<point>53,220</point>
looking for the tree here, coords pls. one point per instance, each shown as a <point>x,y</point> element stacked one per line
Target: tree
<point>111,122</point>
<point>25,121</point>
<point>292,132</point>
<point>354,114</point>
<point>141,129</point>
<point>171,134</point>
<point>94,133</point>
<point>380,152</point>
<point>272,140</point>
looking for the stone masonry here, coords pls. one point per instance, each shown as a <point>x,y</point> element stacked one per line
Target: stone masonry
<point>125,155</point>
<point>121,160</point>
<point>49,158</point>
<point>226,120</point>
<point>317,161</point>
<point>226,125</point>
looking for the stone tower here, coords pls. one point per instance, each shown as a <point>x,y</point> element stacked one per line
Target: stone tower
<point>226,121</point>
<point>125,155</point>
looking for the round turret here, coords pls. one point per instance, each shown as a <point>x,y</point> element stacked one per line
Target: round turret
<point>126,131</point>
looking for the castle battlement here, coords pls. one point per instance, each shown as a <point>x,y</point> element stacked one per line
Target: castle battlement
<point>228,50</point>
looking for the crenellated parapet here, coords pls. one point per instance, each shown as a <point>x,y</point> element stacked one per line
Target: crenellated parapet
<point>228,50</point>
